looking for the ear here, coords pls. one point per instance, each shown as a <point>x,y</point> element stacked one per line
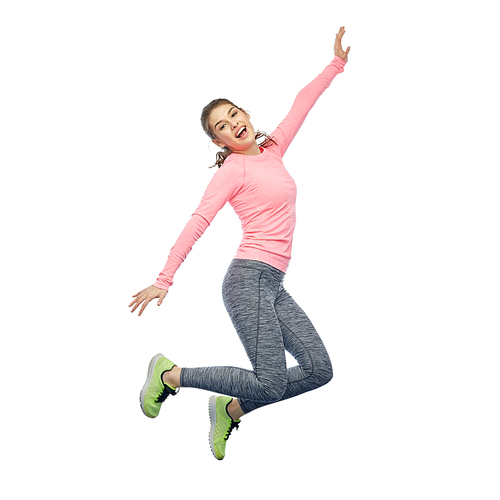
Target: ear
<point>218,143</point>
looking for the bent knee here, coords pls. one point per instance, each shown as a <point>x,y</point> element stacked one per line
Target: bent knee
<point>273,391</point>
<point>323,373</point>
<point>327,377</point>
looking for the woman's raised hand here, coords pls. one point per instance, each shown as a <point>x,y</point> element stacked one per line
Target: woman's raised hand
<point>338,45</point>
<point>146,296</point>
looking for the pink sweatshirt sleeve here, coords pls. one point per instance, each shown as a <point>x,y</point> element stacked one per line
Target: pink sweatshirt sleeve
<point>225,182</point>
<point>305,100</point>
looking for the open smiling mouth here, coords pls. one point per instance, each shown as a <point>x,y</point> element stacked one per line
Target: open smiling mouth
<point>242,133</point>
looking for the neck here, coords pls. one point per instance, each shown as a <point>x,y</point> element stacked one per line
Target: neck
<point>250,151</point>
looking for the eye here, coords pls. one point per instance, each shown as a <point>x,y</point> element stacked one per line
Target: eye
<point>222,126</point>
<point>233,114</point>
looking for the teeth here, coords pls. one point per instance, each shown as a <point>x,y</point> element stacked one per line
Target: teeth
<point>241,131</point>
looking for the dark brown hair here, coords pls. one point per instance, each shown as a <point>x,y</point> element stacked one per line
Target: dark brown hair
<point>222,155</point>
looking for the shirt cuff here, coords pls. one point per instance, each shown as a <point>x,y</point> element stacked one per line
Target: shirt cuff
<point>339,63</point>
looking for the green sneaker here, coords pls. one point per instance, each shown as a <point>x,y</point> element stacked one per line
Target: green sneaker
<point>221,425</point>
<point>155,392</point>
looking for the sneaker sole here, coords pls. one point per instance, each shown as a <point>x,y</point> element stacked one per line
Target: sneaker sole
<point>212,412</point>
<point>151,370</point>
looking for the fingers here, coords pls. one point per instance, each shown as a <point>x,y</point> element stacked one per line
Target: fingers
<point>141,299</point>
<point>338,38</point>
<point>137,295</point>
<point>138,299</point>
<point>147,301</point>
<point>145,297</point>
<point>136,303</point>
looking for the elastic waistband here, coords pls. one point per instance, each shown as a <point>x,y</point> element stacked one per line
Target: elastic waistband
<point>258,266</point>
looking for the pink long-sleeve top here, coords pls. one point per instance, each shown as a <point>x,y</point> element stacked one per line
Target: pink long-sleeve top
<point>260,190</point>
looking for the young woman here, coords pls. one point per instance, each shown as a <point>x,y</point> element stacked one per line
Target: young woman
<point>254,181</point>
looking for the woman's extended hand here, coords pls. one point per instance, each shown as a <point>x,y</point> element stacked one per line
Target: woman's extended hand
<point>338,45</point>
<point>146,296</point>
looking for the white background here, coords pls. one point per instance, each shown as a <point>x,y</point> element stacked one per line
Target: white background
<point>395,259</point>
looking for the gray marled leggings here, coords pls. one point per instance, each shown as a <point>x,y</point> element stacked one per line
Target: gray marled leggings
<point>268,321</point>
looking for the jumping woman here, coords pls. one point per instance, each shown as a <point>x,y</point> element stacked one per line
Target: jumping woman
<point>253,179</point>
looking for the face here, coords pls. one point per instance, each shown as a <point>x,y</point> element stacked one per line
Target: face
<point>233,129</point>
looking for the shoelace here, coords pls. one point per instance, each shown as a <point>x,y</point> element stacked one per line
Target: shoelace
<point>165,393</point>
<point>234,425</point>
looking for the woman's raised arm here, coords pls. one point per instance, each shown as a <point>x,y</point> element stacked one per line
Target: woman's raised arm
<point>307,97</point>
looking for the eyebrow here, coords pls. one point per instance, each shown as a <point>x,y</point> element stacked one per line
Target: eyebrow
<point>215,126</point>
